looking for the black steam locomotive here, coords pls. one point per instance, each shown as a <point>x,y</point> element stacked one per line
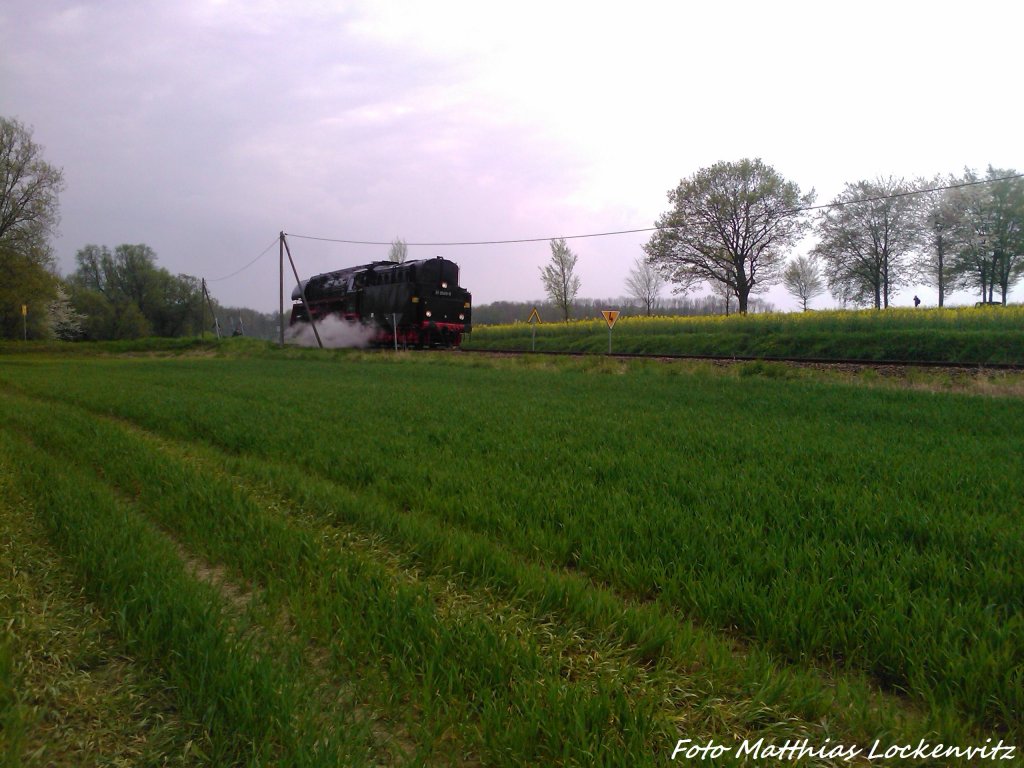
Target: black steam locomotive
<point>417,303</point>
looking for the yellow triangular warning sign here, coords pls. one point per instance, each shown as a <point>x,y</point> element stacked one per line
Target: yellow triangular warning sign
<point>610,316</point>
<point>534,317</point>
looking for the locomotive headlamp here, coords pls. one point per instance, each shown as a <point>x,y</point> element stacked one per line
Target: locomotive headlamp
<point>461,316</point>
<point>429,313</point>
<point>444,284</point>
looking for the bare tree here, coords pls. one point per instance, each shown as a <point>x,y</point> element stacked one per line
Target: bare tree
<point>802,278</point>
<point>399,251</point>
<point>645,284</point>
<point>724,293</point>
<point>729,224</point>
<point>560,281</point>
<point>866,238</point>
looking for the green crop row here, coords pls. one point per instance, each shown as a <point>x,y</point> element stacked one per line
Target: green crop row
<point>71,693</point>
<point>512,698</point>
<point>162,614</point>
<point>440,668</point>
<point>823,523</point>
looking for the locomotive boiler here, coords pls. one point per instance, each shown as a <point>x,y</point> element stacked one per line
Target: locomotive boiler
<point>415,303</point>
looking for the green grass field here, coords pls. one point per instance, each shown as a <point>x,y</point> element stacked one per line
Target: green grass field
<point>345,558</point>
<point>964,335</point>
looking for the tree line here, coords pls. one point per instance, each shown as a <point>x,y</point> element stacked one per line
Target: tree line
<point>733,227</point>
<point>123,294</point>
<point>502,312</point>
<point>733,224</point>
<point>112,294</point>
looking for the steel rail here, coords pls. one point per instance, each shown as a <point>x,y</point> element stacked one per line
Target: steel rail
<point>754,359</point>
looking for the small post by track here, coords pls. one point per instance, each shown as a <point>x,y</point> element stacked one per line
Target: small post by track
<point>610,316</point>
<point>533,319</point>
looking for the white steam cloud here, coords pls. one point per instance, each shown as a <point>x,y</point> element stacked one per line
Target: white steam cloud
<point>335,333</point>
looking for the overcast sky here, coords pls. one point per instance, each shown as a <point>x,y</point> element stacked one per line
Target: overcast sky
<point>203,128</point>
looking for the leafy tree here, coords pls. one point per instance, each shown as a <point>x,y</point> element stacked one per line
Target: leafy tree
<point>972,265</point>
<point>124,294</point>
<point>105,319</point>
<point>560,281</point>
<point>645,284</point>
<point>399,251</point>
<point>991,252</point>
<point>802,278</point>
<point>176,307</point>
<point>29,201</point>
<point>1006,237</point>
<point>29,192</point>
<point>943,236</point>
<point>729,224</point>
<point>866,239</point>
<point>23,281</point>
<point>65,322</point>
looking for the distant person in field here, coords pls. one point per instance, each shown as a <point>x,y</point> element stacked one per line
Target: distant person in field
<point>917,302</point>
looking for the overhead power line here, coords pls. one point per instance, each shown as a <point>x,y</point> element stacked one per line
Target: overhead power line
<point>803,209</point>
<point>907,193</point>
<point>655,229</point>
<point>475,242</point>
<point>242,269</point>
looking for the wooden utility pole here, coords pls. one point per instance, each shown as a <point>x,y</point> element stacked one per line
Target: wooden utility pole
<point>216,322</point>
<point>302,294</point>
<point>280,316</point>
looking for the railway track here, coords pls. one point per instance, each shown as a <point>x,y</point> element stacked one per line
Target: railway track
<point>815,362</point>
